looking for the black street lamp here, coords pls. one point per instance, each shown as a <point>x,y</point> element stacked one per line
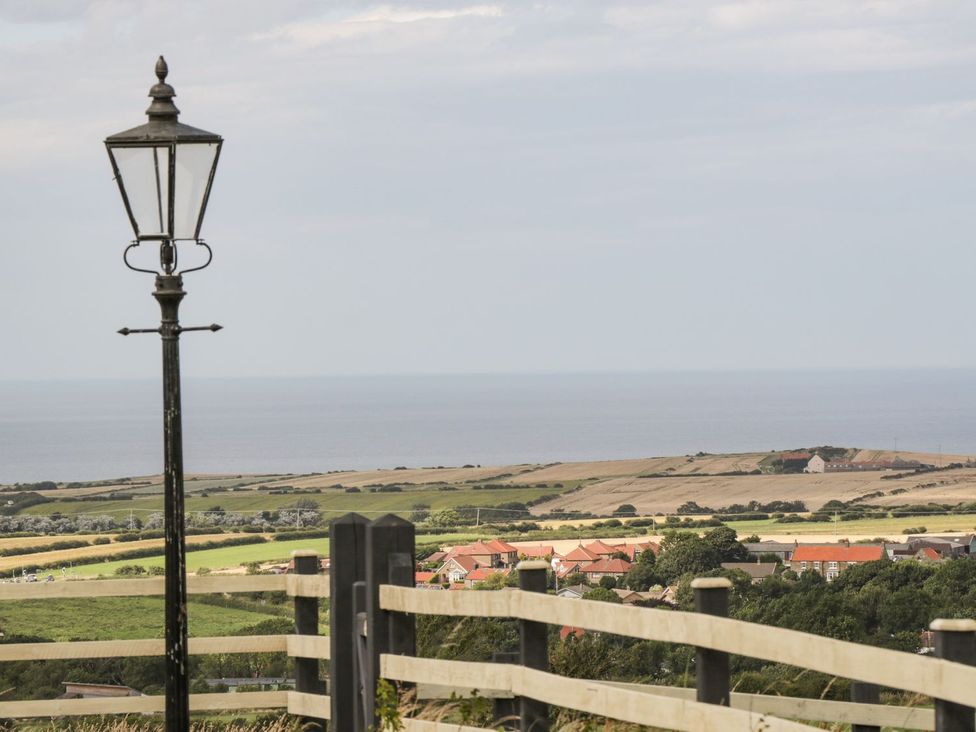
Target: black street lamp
<point>164,170</point>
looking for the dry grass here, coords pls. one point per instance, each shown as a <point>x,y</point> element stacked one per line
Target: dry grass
<point>283,723</point>
<point>98,550</point>
<point>664,495</point>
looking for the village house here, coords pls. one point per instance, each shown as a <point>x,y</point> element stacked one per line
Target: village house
<point>508,555</point>
<point>830,560</point>
<point>484,554</point>
<point>595,571</point>
<point>781,550</point>
<point>483,573</point>
<point>794,462</point>
<point>572,561</point>
<point>948,546</point>
<point>927,554</point>
<point>426,579</point>
<point>757,571</point>
<point>564,570</point>
<point>632,597</point>
<point>600,549</point>
<point>537,551</point>
<point>816,465</point>
<point>456,568</point>
<point>633,551</point>
<point>572,592</point>
<point>853,466</point>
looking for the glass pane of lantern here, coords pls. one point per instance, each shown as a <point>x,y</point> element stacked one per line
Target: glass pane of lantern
<point>145,179</point>
<point>194,162</point>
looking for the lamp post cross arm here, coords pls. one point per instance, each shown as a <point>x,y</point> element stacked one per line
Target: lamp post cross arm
<point>213,328</point>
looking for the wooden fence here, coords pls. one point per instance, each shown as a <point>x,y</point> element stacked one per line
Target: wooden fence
<point>373,609</point>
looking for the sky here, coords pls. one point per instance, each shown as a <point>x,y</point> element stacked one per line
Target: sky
<point>454,187</point>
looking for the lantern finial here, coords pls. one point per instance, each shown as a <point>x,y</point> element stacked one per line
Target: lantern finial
<point>162,107</point>
<point>162,69</point>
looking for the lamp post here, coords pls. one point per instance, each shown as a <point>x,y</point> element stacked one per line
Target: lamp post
<point>164,170</point>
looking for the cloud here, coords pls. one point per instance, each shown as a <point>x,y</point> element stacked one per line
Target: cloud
<point>380,20</point>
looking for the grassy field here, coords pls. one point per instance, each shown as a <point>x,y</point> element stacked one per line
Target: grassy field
<point>232,556</point>
<point>97,550</point>
<point>120,618</point>
<point>332,501</point>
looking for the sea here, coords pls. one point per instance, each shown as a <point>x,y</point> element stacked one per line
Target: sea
<point>90,430</point>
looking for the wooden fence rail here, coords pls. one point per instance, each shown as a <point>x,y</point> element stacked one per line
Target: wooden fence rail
<point>373,618</point>
<point>940,679</point>
<point>301,587</point>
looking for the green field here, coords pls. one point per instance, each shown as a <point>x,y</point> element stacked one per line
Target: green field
<point>332,502</point>
<point>116,618</point>
<point>231,556</point>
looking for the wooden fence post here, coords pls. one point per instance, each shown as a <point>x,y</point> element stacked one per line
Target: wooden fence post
<point>389,549</point>
<point>712,667</point>
<point>307,623</point>
<point>865,693</point>
<point>955,640</point>
<point>505,709</point>
<point>533,646</point>
<point>347,552</point>
<point>360,669</point>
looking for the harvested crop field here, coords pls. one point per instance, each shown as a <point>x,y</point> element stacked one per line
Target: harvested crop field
<point>665,495</point>
<point>98,550</point>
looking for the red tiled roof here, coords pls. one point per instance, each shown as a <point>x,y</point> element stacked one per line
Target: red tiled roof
<point>837,553</point>
<point>436,556</point>
<point>479,547</point>
<point>631,550</point>
<point>930,553</point>
<point>598,547</point>
<point>796,456</point>
<point>568,569</point>
<point>607,566</point>
<point>482,573</point>
<point>421,577</point>
<point>500,546</point>
<point>581,554</point>
<point>568,630</point>
<point>467,563</point>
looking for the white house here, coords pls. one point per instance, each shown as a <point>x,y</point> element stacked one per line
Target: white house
<point>816,465</point>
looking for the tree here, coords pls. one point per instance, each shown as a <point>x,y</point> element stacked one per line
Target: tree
<point>724,541</point>
<point>445,518</point>
<point>642,576</point>
<point>608,582</point>
<point>576,578</point>
<point>603,595</point>
<point>625,509</point>
<point>690,555</point>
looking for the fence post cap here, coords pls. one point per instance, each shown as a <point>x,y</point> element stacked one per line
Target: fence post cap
<point>304,553</point>
<point>710,583</point>
<point>954,625</point>
<point>532,564</point>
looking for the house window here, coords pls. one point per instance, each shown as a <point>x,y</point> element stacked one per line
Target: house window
<point>832,565</point>
<point>816,565</point>
<point>831,575</point>
<point>851,564</point>
<point>803,565</point>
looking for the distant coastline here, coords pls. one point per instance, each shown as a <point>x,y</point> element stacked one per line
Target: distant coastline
<point>88,430</point>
